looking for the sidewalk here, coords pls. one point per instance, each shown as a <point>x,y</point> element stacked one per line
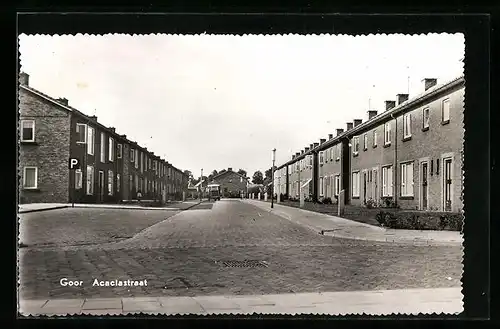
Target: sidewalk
<point>32,207</point>
<point>348,229</point>
<point>376,302</point>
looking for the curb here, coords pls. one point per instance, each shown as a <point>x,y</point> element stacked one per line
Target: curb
<point>44,209</point>
<point>191,206</point>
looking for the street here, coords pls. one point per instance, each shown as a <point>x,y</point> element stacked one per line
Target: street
<point>222,248</point>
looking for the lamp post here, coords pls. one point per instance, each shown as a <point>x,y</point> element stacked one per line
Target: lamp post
<point>201,185</point>
<point>272,179</point>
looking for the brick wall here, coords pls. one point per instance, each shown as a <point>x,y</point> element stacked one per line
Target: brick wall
<point>331,166</point>
<point>49,153</point>
<point>231,181</point>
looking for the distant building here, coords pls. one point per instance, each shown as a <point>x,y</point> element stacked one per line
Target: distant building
<point>232,183</point>
<point>112,168</point>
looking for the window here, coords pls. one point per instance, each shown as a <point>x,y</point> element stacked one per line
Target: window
<point>90,180</point>
<point>338,151</point>
<point>81,131</point>
<point>425,118</point>
<point>321,157</point>
<point>90,140</point>
<point>118,183</point>
<point>365,142</point>
<point>30,178</point>
<point>78,179</point>
<point>103,148</point>
<point>407,125</point>
<point>446,111</point>
<point>111,149</point>
<point>310,161</point>
<point>110,182</point>
<point>355,184</point>
<point>407,179</point>
<point>337,184</point>
<point>119,151</point>
<point>387,181</point>
<point>321,186</point>
<point>132,155</point>
<point>355,145</point>
<point>27,130</point>
<point>136,159</point>
<point>387,133</point>
<point>375,138</point>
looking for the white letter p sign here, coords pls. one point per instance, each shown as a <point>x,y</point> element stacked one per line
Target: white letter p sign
<point>74,163</point>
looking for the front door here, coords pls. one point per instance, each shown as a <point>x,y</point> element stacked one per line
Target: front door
<point>424,186</point>
<point>375,185</point>
<point>447,184</point>
<point>364,186</point>
<point>100,194</point>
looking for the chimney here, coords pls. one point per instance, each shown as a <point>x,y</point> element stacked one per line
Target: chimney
<point>311,146</point>
<point>63,101</point>
<point>112,129</point>
<point>306,149</point>
<point>297,154</point>
<point>371,114</point>
<point>321,141</point>
<point>349,125</point>
<point>339,131</point>
<point>402,98</point>
<point>293,156</point>
<point>389,105</point>
<point>330,136</point>
<point>93,117</point>
<point>429,83</point>
<point>24,79</point>
<point>124,136</point>
<point>229,169</point>
<point>357,122</point>
<point>301,152</point>
<point>316,145</point>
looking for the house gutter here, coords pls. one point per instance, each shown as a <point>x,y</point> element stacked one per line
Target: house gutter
<point>395,160</point>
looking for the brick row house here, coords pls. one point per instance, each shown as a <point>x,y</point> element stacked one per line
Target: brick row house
<point>410,155</point>
<point>112,167</point>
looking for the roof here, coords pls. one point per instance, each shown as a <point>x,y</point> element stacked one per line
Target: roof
<point>91,119</point>
<point>227,172</point>
<point>401,108</point>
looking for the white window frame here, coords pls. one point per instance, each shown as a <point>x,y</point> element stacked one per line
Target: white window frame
<point>32,128</point>
<point>355,145</point>
<point>321,186</point>
<point>445,115</point>
<point>425,121</point>
<point>387,133</point>
<point>132,155</point>
<point>90,179</point>
<point>110,182</point>
<point>136,159</point>
<point>407,125</point>
<point>118,185</point>
<point>78,179</point>
<point>78,127</point>
<point>365,141</point>
<point>103,148</point>
<point>339,151</point>
<point>375,138</point>
<point>387,181</point>
<point>90,140</point>
<point>355,184</point>
<point>321,157</point>
<point>24,178</point>
<point>111,151</point>
<point>407,181</point>
<point>119,153</point>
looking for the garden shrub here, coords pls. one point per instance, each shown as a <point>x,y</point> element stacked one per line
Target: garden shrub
<point>414,220</point>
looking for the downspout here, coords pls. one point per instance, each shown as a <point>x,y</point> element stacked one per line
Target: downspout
<point>395,160</point>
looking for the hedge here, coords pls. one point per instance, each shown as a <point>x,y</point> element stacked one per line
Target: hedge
<point>412,220</point>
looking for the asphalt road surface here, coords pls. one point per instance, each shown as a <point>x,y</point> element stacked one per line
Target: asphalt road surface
<point>227,247</point>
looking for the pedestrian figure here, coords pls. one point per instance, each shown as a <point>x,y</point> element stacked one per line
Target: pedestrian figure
<point>139,196</point>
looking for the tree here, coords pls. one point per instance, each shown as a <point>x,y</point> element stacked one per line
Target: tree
<point>258,177</point>
<point>188,173</point>
<point>242,172</point>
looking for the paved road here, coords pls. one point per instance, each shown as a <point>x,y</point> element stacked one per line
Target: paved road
<point>188,254</point>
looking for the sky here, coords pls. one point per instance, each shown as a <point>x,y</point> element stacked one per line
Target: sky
<point>220,101</point>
